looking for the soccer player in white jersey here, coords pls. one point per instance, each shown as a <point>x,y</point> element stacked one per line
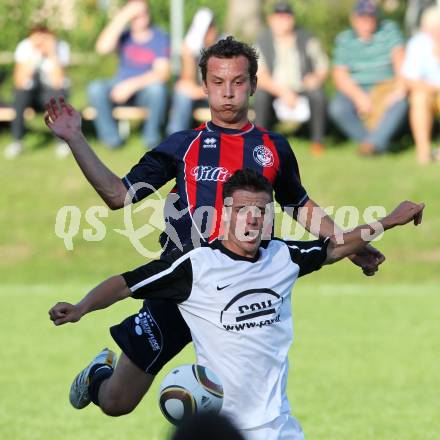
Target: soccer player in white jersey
<point>234,295</point>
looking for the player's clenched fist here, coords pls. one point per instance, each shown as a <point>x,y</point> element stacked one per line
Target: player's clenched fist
<point>407,211</point>
<point>62,119</point>
<point>63,312</point>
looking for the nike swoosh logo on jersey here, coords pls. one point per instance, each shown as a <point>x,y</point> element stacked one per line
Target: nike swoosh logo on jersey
<point>224,287</point>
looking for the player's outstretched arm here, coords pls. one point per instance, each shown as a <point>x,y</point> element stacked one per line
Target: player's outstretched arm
<point>354,241</point>
<point>104,295</point>
<point>315,220</point>
<point>65,122</point>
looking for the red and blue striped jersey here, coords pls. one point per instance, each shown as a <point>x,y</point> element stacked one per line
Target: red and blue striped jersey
<point>200,161</point>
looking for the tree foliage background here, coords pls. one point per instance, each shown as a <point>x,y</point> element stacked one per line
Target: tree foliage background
<point>80,21</point>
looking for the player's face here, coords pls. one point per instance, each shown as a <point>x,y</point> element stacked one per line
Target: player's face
<point>228,86</point>
<point>434,32</point>
<point>142,20</point>
<point>42,42</point>
<point>249,212</point>
<point>364,25</point>
<point>281,23</point>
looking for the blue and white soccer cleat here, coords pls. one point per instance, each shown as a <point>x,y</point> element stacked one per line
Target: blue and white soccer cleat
<point>79,390</point>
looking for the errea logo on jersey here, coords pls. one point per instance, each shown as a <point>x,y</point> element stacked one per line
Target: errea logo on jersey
<point>263,156</point>
<point>211,174</point>
<point>210,143</point>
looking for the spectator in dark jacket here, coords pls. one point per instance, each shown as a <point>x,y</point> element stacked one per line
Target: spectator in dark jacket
<point>291,72</point>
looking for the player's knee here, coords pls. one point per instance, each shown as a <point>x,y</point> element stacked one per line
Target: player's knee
<point>152,96</point>
<point>316,96</point>
<point>116,408</point>
<point>420,98</point>
<point>337,109</point>
<point>96,90</point>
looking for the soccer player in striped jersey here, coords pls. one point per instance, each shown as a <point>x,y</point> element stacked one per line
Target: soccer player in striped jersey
<point>234,293</point>
<point>200,161</point>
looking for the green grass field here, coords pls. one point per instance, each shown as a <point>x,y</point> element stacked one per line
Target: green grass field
<point>364,364</point>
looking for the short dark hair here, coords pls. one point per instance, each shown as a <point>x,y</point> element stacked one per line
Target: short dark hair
<point>40,28</point>
<point>230,48</point>
<point>247,179</point>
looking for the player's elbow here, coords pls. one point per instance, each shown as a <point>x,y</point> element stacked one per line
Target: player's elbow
<point>114,203</point>
<point>103,48</point>
<point>116,197</point>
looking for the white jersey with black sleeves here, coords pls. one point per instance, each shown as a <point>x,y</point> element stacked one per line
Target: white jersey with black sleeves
<point>239,312</point>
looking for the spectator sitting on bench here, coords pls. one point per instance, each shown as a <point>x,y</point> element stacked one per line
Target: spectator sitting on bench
<point>292,69</point>
<point>141,78</point>
<point>370,104</point>
<point>421,72</point>
<point>188,90</point>
<point>39,73</point>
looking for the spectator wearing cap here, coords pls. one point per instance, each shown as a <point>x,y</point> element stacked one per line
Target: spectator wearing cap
<point>370,104</point>
<point>188,90</point>
<point>421,71</point>
<point>291,72</point>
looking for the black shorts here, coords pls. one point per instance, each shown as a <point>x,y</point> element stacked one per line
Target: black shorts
<point>153,336</point>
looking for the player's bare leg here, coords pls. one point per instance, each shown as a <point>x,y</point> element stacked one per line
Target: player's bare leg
<point>421,119</point>
<point>116,388</point>
<point>122,392</point>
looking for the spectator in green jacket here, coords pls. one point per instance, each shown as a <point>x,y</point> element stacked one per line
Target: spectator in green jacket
<point>292,68</point>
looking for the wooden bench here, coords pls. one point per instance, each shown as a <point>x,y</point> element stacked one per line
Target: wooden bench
<point>203,114</point>
<point>76,58</point>
<point>7,114</point>
<point>123,114</point>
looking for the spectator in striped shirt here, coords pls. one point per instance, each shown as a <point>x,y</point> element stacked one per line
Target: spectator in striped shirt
<point>370,104</point>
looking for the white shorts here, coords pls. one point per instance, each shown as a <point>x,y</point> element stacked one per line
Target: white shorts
<point>284,427</point>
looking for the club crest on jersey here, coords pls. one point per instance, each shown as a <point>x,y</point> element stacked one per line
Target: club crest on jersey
<point>210,143</point>
<point>210,174</point>
<point>263,156</point>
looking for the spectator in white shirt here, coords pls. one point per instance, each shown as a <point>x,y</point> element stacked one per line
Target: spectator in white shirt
<point>421,70</point>
<point>39,73</point>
